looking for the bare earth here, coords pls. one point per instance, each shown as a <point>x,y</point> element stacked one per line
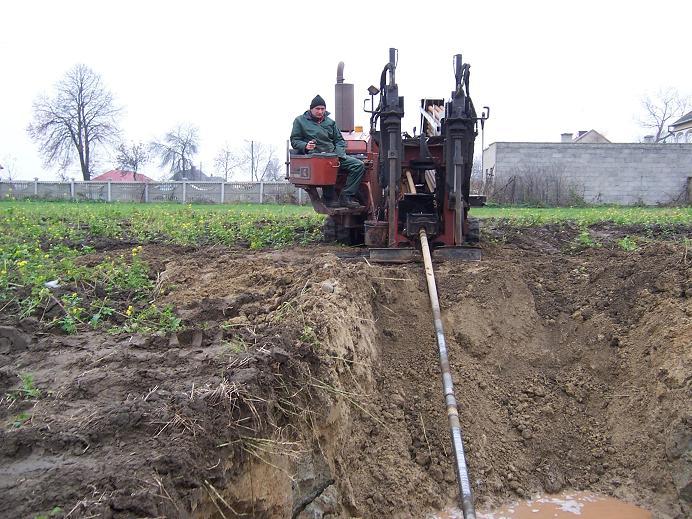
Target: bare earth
<point>307,385</point>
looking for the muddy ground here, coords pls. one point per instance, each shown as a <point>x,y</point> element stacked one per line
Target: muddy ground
<point>306,384</point>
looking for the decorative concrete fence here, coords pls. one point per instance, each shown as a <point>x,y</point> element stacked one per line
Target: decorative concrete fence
<point>183,192</point>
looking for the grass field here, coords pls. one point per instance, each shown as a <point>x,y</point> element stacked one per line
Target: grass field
<point>590,215</point>
<point>41,243</point>
<point>256,225</point>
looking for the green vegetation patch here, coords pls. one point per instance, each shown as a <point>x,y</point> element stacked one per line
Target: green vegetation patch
<point>256,226</point>
<point>585,216</point>
<point>28,389</point>
<point>42,275</point>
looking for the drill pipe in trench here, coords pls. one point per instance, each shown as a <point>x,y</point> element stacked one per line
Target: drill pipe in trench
<point>465,493</point>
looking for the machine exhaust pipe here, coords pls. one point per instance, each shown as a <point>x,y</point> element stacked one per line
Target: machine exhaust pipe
<point>343,95</point>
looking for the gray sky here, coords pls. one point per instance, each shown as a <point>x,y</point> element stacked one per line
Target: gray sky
<point>244,70</point>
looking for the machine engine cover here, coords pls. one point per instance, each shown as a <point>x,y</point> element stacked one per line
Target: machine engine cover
<point>318,169</point>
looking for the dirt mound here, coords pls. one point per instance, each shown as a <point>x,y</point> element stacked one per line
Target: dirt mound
<point>306,384</point>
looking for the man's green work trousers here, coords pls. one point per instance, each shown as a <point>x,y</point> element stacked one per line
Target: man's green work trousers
<point>355,169</point>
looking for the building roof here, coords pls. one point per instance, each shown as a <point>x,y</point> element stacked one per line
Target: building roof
<point>193,174</point>
<point>684,119</point>
<point>117,175</point>
<point>591,136</point>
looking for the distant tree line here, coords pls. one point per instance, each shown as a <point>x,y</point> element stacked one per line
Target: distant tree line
<point>81,120</point>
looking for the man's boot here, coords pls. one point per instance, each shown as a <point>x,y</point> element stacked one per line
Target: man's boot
<point>349,201</point>
<point>332,202</point>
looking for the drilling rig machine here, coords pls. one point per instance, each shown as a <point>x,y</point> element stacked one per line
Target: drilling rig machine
<point>415,194</point>
<point>410,183</point>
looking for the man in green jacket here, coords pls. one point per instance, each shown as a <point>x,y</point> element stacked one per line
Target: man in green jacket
<point>315,132</point>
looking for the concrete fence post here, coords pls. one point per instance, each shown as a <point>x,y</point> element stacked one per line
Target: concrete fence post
<point>184,191</point>
<point>35,187</point>
<point>300,196</point>
<point>109,196</point>
<point>223,185</point>
<point>72,189</point>
<point>261,200</point>
<point>146,192</point>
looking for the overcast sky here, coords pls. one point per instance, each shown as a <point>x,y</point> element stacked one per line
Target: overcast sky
<point>244,70</point>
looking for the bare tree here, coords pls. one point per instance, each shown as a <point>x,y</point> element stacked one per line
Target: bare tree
<point>80,116</point>
<point>64,176</point>
<point>261,158</point>
<point>178,148</point>
<point>226,161</point>
<point>8,169</point>
<point>273,171</point>
<point>540,186</point>
<point>131,157</point>
<point>665,106</point>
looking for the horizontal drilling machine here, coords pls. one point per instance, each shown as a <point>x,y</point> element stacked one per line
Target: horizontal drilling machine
<point>410,182</point>
<point>415,194</point>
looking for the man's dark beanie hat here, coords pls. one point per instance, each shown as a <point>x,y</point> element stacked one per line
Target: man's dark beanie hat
<point>318,101</point>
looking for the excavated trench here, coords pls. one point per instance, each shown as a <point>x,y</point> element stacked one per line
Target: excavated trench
<point>307,385</point>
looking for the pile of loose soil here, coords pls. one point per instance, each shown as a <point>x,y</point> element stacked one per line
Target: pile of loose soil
<point>306,384</point>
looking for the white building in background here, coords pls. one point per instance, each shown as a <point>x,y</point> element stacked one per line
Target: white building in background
<point>680,132</point>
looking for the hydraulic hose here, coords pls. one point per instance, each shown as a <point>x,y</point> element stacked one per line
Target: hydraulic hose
<point>465,493</point>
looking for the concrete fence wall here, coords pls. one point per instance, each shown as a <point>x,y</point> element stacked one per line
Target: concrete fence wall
<point>183,192</point>
<point>625,174</point>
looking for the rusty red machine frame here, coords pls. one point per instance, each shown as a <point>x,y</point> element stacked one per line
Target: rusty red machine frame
<point>410,182</point>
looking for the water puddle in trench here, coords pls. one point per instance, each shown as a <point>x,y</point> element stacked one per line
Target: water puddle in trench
<point>567,505</point>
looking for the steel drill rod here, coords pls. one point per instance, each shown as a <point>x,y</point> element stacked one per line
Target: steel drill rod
<point>452,412</point>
